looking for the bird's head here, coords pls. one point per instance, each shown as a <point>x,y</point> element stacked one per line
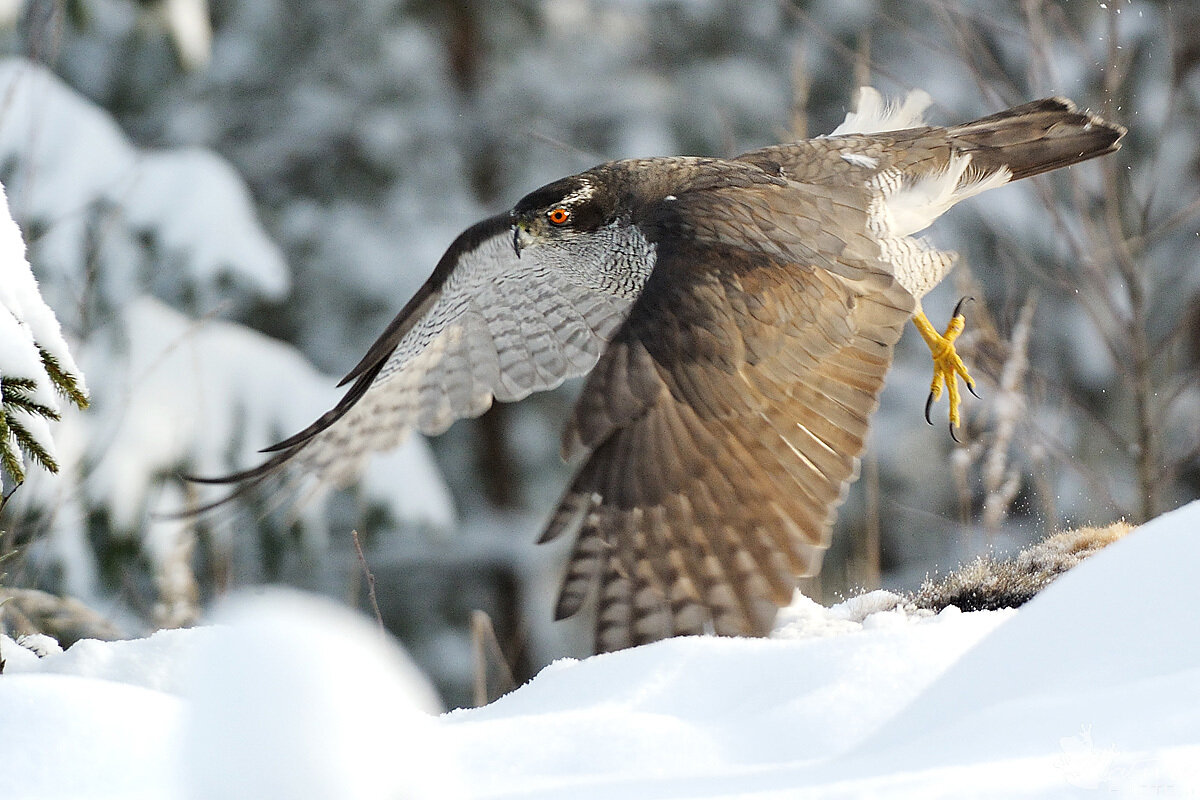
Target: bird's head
<point>562,212</point>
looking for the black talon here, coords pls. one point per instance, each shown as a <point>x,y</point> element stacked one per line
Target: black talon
<point>971,389</point>
<point>958,306</point>
<point>928,405</point>
<point>952,436</point>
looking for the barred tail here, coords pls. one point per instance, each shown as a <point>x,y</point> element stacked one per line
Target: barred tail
<point>1035,137</point>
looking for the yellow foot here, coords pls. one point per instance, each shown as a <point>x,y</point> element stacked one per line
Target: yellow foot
<point>947,366</point>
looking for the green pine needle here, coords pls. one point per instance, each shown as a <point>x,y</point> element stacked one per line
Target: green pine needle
<point>10,459</point>
<point>66,383</point>
<point>16,398</point>
<point>16,395</point>
<point>31,446</point>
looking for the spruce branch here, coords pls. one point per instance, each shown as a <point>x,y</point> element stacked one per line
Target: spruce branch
<point>31,447</point>
<point>64,382</point>
<point>16,441</point>
<point>10,459</point>
<point>18,396</point>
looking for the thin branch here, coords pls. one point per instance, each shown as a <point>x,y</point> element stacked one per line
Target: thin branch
<point>1180,218</point>
<point>362,560</point>
<point>1001,480</point>
<point>484,644</point>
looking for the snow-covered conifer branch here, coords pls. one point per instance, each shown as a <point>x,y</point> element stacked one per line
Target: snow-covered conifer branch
<point>36,368</point>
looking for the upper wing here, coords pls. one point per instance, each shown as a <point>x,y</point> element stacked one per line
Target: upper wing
<point>487,324</point>
<point>724,421</point>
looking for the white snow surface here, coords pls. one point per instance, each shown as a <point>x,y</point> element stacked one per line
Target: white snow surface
<point>1092,689</point>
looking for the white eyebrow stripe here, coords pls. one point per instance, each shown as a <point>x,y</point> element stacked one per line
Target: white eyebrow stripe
<point>584,192</point>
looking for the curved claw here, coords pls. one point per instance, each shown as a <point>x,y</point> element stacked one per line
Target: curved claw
<point>948,367</point>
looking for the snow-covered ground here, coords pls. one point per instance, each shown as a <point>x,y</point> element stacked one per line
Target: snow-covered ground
<point>1092,689</point>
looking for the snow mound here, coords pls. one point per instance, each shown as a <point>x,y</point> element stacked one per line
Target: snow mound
<point>296,698</point>
<point>70,737</point>
<point>1094,686</point>
<point>285,696</point>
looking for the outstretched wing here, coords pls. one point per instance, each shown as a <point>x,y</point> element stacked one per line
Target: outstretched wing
<point>486,325</point>
<point>725,419</point>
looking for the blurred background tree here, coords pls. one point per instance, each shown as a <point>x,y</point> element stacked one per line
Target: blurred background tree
<point>282,175</point>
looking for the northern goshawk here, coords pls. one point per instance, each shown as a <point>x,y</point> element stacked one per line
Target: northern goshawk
<point>735,318</point>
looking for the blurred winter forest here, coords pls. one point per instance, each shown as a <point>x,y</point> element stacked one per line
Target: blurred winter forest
<point>226,202</point>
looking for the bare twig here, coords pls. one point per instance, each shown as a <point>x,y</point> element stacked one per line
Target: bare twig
<point>486,650</point>
<point>362,560</point>
<point>1001,480</point>
<point>1145,449</point>
<point>178,593</point>
<point>1142,384</point>
<point>840,48</point>
<point>961,459</point>
<point>6,496</point>
<point>862,60</point>
<point>801,89</point>
<point>869,566</point>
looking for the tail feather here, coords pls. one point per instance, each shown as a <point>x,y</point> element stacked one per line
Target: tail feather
<point>1035,137</point>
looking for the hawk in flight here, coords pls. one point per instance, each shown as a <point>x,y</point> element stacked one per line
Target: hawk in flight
<point>735,319</point>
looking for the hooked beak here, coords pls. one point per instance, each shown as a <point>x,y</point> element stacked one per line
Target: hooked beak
<point>521,237</point>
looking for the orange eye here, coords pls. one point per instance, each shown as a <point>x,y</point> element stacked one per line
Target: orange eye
<point>558,216</point>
